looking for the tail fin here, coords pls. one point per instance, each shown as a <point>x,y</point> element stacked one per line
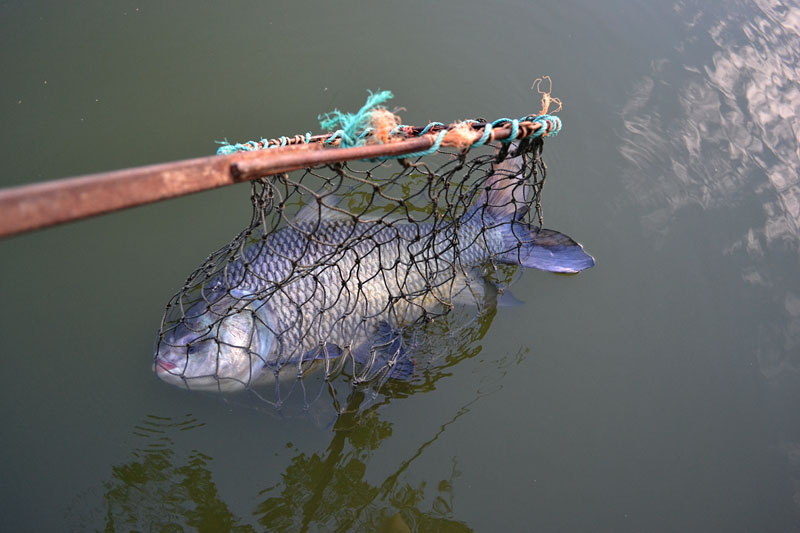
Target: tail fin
<point>543,249</point>
<point>506,199</point>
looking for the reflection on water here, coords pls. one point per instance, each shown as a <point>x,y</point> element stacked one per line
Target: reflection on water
<point>732,134</point>
<point>158,489</point>
<point>330,492</point>
<point>737,124</point>
<point>717,127</point>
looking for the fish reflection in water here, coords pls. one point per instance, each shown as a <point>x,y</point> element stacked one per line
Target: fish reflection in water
<point>362,282</point>
<point>161,487</point>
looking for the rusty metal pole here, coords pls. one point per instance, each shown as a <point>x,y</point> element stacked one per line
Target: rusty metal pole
<point>36,206</point>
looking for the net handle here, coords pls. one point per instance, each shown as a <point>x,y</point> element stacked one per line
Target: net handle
<point>31,207</point>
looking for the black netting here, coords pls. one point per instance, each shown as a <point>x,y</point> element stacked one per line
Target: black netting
<point>356,270</point>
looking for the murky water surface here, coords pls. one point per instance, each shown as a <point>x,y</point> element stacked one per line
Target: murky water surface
<point>658,391</point>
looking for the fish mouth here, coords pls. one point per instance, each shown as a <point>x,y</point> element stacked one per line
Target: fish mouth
<point>162,365</point>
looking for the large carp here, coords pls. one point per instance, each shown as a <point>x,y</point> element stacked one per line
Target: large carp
<point>329,288</point>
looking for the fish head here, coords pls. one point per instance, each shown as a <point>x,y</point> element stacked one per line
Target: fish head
<point>220,344</point>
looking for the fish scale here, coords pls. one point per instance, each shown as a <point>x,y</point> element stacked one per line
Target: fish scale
<point>384,270</point>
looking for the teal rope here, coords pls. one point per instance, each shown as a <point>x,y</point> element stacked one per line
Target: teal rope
<point>429,126</point>
<point>435,147</point>
<point>353,130</point>
<point>251,146</point>
<point>514,128</point>
<point>238,147</point>
<point>349,124</point>
<point>554,126</point>
<point>554,121</point>
<point>396,128</point>
<point>487,131</point>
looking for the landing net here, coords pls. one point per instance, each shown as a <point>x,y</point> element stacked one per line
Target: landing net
<point>346,270</point>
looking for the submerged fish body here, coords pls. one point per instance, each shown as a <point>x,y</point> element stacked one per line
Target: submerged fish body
<point>328,286</point>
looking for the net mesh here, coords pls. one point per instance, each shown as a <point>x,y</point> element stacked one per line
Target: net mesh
<point>354,273</point>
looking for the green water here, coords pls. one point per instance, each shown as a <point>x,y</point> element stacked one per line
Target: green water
<point>655,392</point>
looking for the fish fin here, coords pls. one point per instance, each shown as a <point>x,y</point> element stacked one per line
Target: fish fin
<point>387,350</point>
<point>323,210</point>
<point>506,199</point>
<point>470,288</point>
<point>322,352</point>
<point>465,288</point>
<point>542,249</point>
<point>506,193</point>
<point>241,293</point>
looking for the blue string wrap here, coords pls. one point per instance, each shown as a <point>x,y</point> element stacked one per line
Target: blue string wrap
<point>514,128</point>
<point>263,144</point>
<point>554,125</point>
<point>353,130</point>
<point>349,124</point>
<point>396,128</point>
<point>429,126</point>
<point>436,144</point>
<point>550,125</point>
<point>227,148</point>
<point>487,131</point>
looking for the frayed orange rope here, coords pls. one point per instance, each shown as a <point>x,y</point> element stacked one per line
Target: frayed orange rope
<point>461,136</point>
<point>547,100</point>
<point>383,122</point>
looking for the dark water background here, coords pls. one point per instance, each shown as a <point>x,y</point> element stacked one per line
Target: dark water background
<point>658,391</point>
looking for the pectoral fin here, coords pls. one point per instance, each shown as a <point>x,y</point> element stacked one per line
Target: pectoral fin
<point>467,287</point>
<point>322,352</point>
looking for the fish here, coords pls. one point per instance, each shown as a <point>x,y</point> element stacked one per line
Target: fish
<point>333,290</point>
